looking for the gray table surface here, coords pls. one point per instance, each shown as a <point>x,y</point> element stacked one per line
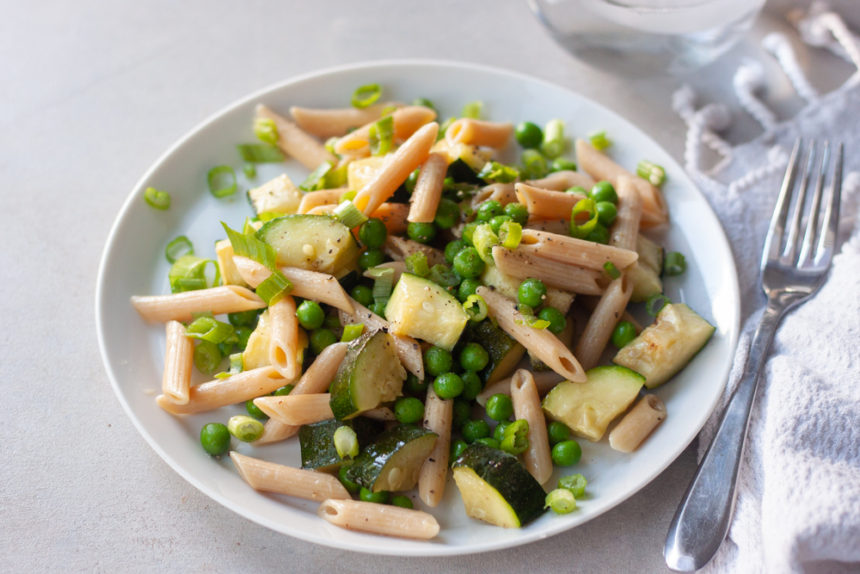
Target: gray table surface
<point>91,93</point>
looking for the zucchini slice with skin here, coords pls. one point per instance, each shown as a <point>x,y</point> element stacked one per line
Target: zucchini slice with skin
<point>314,242</point>
<point>392,462</point>
<point>504,351</point>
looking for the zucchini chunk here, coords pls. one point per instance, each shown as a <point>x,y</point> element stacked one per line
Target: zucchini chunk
<point>424,310</point>
<point>496,488</point>
<point>314,242</point>
<point>588,408</point>
<point>279,195</point>
<point>370,374</point>
<point>504,351</point>
<point>360,172</point>
<point>317,444</point>
<point>666,346</point>
<point>392,462</point>
<point>645,273</point>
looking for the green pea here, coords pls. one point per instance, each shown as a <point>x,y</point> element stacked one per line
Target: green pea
<point>623,333</point>
<point>245,428</point>
<point>284,391</point>
<point>447,214</point>
<point>528,134</point>
<point>457,448</point>
<point>310,315</point>
<point>453,248</point>
<point>566,453</point>
<point>415,385</point>
<point>475,429</point>
<point>448,385</point>
<point>215,438</point>
<point>378,307</point>
<point>320,339</point>
<point>373,233</point>
<point>467,287</point>
<point>402,501</point>
<point>557,432</point>
<point>497,222</point>
<point>603,191</point>
<point>243,333</point>
<point>472,385</point>
<point>600,234</point>
<point>577,189</point>
<point>247,318</point>
<point>562,164</point>
<point>351,486</point>
<point>468,264</point>
<point>531,292</point>
<point>363,294</point>
<point>408,410</point>
<point>488,210</point>
<point>517,212</point>
<point>421,232</point>
<point>412,180</point>
<point>462,412</point>
<point>254,410</point>
<point>437,360</point>
<point>500,407</point>
<point>606,212</point>
<point>367,495</point>
<point>489,441</point>
<point>469,231</point>
<point>371,258</point>
<point>674,264</point>
<point>473,357</point>
<point>499,431</point>
<point>556,319</point>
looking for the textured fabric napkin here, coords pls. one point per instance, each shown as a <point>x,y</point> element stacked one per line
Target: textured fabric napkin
<point>798,504</point>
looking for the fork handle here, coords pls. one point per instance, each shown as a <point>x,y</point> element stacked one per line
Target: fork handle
<point>702,520</point>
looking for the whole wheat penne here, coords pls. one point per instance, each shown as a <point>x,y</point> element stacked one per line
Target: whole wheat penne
<point>524,395</point>
<point>638,424</point>
<point>573,251</point>
<point>379,519</point>
<point>407,120</point>
<point>270,477</point>
<point>313,199</point>
<point>546,203</point>
<point>326,209</point>
<point>181,306</point>
<point>602,321</point>
<point>393,216</point>
<point>524,262</point>
<point>504,193</point>
<point>301,409</point>
<point>331,122</point>
<point>625,229</point>
<point>544,381</point>
<point>409,156</point>
<point>296,142</point>
<point>219,393</point>
<point>479,133</point>
<point>428,189</point>
<point>562,180</point>
<point>399,248</point>
<point>438,415</point>
<point>284,338</point>
<point>541,342</point>
<point>178,360</point>
<point>558,225</point>
<point>316,379</point>
<point>600,166</point>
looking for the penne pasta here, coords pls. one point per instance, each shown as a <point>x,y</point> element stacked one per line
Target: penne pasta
<point>393,216</point>
<point>546,203</point>
<point>178,361</point>
<point>638,424</point>
<point>542,343</point>
<point>379,519</point>
<point>407,120</point>
<point>428,189</point>
<point>383,414</point>
<point>398,248</point>
<point>578,252</point>
<point>602,321</point>
<point>558,225</point>
<point>438,415</point>
<point>313,199</point>
<point>181,306</point>
<point>284,351</point>
<point>563,180</point>
<point>524,394</point>
<point>625,230</point>
<point>270,477</point>
<point>504,193</point>
<point>219,393</point>
<point>295,142</point>
<point>479,133</point>
<point>524,262</point>
<point>544,381</point>
<point>326,123</point>
<point>404,161</point>
<point>296,410</point>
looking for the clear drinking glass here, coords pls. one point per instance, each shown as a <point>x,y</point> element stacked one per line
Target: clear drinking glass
<point>647,36</point>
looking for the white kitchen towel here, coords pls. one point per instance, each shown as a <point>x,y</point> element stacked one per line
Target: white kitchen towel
<point>798,504</point>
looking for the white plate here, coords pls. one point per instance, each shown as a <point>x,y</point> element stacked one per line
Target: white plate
<point>133,263</point>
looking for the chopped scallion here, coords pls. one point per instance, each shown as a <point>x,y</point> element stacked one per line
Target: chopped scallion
<point>510,234</point>
<point>250,170</point>
<point>484,239</point>
<point>655,303</point>
<point>599,140</point>
<point>383,281</point>
<point>495,172</point>
<point>416,263</point>
<point>316,180</point>
<point>156,198</point>
<point>247,245</point>
<point>348,214</point>
<point>366,95</point>
<point>575,483</point>
<point>674,264</point>
<point>352,332</point>
<point>424,102</point>
<point>473,110</point>
<point>266,130</point>
<point>561,501</point>
<point>345,442</point>
<point>336,177</point>
<point>222,181</point>
<point>651,172</point>
<point>611,270</point>
<point>553,144</point>
<point>348,195</point>
<point>583,218</point>
<point>381,136</point>
<point>177,248</point>
<point>260,153</point>
<point>209,329</point>
<point>534,164</point>
<point>188,273</point>
<point>274,288</point>
<point>443,127</point>
<point>475,307</point>
<point>207,357</point>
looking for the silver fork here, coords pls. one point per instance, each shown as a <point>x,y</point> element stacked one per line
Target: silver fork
<point>793,266</point>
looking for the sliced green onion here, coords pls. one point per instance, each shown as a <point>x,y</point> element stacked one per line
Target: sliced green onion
<point>585,207</point>
<point>156,198</point>
<point>416,263</point>
<point>177,248</point>
<point>274,288</point>
<point>475,307</point>
<point>352,332</point>
<point>495,172</point>
<point>269,215</point>
<point>209,329</point>
<point>652,172</point>
<point>250,170</point>
<point>515,439</point>
<point>388,110</point>
<point>655,304</point>
<point>245,428</point>
<point>575,483</point>
<point>316,180</point>
<point>381,136</point>
<point>236,366</point>
<point>260,153</point>
<point>611,270</point>
<point>561,501</point>
<point>188,273</point>
<point>554,143</point>
<point>534,164</point>
<point>345,442</point>
<point>207,357</point>
<point>535,322</point>
<point>599,140</point>
<point>266,130</point>
<point>247,245</point>
<point>510,234</point>
<point>473,110</point>
<point>383,281</point>
<point>443,275</point>
<point>366,95</point>
<point>674,264</point>
<point>348,214</point>
<point>222,181</point>
<point>336,177</point>
<point>484,239</point>
<point>443,127</point>
<point>424,102</point>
